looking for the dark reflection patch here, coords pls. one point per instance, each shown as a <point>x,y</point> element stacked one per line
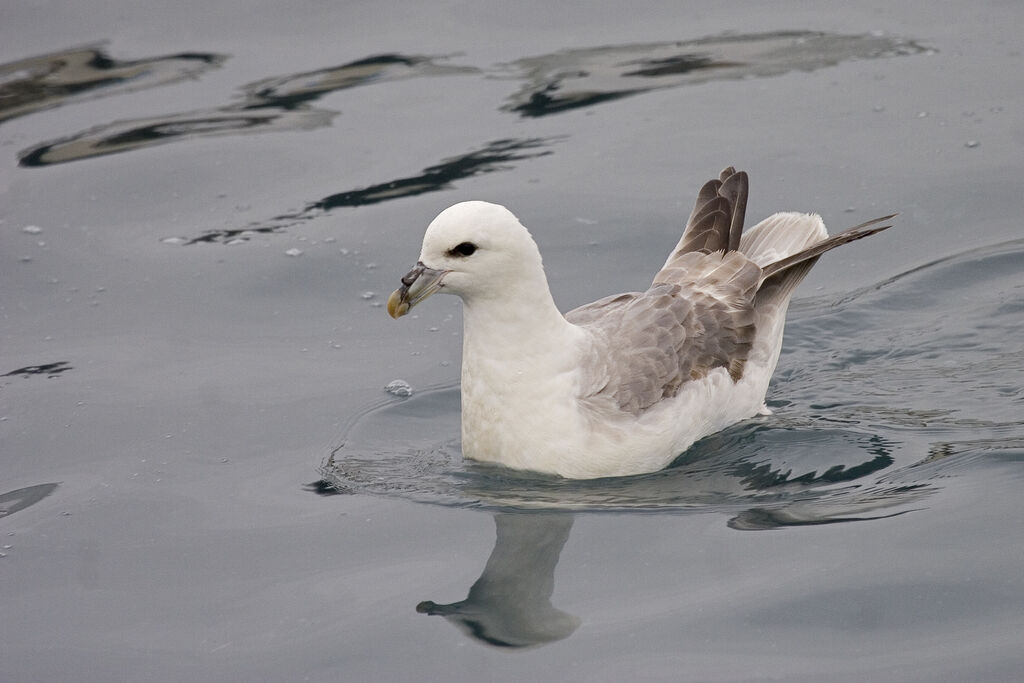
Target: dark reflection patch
<point>19,499</point>
<point>77,74</point>
<point>494,156</point>
<point>45,370</point>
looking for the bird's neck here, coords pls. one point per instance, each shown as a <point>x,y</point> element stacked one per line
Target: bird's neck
<point>518,328</point>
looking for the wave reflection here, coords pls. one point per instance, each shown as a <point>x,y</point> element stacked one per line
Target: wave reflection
<point>77,74</point>
<point>550,84</point>
<point>494,156</point>
<point>571,79</point>
<point>272,104</point>
<point>48,370</point>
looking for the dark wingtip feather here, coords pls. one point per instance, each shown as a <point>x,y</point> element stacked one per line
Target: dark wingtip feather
<point>726,194</point>
<point>734,188</point>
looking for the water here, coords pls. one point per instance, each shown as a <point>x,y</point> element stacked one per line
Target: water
<point>202,476</point>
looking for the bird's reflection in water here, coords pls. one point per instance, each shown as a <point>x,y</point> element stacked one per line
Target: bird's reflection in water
<point>509,606</point>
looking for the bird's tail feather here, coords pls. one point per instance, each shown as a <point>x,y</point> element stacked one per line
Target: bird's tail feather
<point>781,276</point>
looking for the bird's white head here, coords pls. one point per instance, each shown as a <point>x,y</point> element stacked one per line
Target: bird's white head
<point>476,250</point>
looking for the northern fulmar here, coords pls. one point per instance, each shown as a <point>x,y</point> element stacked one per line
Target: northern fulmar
<point>625,384</point>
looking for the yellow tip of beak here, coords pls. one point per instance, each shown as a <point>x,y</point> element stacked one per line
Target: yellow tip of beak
<point>397,307</point>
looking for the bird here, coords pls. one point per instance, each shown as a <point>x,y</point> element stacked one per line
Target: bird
<point>624,385</point>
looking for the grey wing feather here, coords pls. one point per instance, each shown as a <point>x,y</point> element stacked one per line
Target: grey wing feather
<point>650,344</point>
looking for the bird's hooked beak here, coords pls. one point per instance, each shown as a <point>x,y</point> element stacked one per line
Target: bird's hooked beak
<point>417,285</point>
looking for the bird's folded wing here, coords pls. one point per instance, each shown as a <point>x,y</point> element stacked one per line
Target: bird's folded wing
<point>649,345</point>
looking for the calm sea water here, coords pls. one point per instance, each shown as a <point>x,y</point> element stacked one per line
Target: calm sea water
<point>203,207</point>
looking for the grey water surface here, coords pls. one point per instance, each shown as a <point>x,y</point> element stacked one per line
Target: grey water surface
<point>203,207</point>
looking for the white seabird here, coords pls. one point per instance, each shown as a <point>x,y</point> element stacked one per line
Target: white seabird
<point>623,385</point>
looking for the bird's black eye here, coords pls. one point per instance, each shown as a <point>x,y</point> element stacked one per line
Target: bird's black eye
<point>464,249</point>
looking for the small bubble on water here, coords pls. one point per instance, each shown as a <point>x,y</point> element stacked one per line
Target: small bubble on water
<point>971,144</point>
<point>293,252</point>
<point>367,295</point>
<point>25,259</point>
<point>173,240</point>
<point>922,114</point>
<point>376,304</point>
<point>850,209</point>
<point>32,229</point>
<point>399,387</point>
<point>433,329</point>
<point>878,108</point>
<point>343,251</point>
<point>370,266</point>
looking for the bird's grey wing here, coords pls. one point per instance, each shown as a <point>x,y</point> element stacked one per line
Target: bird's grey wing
<point>649,345</point>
